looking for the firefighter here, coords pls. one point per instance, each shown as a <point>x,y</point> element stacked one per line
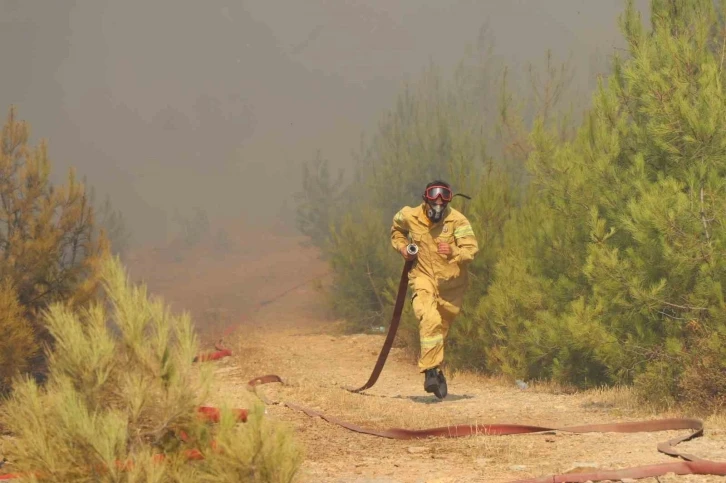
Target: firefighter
<point>439,277</point>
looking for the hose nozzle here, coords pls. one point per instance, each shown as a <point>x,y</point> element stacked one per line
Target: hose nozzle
<point>412,249</point>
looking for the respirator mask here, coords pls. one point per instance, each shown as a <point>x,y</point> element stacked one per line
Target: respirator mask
<point>435,211</point>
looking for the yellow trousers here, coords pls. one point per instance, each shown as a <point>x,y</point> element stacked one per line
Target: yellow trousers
<point>435,313</point>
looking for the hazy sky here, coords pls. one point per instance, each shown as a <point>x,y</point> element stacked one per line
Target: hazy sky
<point>171,104</point>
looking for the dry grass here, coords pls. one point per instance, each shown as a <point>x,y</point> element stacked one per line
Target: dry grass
<point>551,387</point>
<point>505,450</point>
<point>619,400</point>
<point>467,377</point>
<point>716,421</point>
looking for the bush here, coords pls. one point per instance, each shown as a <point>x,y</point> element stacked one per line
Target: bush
<point>122,388</point>
<point>49,245</point>
<point>18,343</point>
<point>601,286</point>
<point>363,270</point>
<point>113,224</point>
<point>194,227</point>
<point>692,373</point>
<point>319,201</point>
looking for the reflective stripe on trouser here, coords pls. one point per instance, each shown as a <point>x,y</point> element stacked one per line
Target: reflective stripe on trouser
<point>435,315</point>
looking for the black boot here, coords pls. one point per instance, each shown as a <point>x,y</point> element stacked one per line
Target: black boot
<point>431,380</point>
<point>435,382</point>
<point>443,389</point>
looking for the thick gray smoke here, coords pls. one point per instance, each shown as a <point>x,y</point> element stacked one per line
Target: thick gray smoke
<point>174,104</point>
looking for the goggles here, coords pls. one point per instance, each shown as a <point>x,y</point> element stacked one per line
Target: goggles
<point>434,192</point>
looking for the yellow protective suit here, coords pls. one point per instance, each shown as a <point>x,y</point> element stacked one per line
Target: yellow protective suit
<point>438,282</point>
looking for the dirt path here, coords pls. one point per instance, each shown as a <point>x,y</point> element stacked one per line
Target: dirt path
<point>316,365</point>
<point>294,337</point>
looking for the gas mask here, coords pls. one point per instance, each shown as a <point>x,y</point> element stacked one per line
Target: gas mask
<point>435,212</point>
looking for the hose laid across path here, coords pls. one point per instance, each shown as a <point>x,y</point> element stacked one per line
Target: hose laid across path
<point>692,466</point>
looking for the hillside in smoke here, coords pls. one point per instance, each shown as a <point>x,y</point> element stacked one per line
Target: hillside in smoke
<point>176,104</point>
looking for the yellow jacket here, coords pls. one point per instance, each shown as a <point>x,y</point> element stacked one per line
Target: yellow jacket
<point>432,270</point>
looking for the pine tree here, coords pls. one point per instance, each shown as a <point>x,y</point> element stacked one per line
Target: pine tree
<point>618,278</point>
<point>49,248</point>
<point>113,224</point>
<point>318,202</point>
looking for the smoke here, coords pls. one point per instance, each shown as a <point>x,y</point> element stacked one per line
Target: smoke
<point>172,105</point>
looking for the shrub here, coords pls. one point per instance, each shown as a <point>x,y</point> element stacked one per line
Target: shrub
<point>18,343</point>
<point>625,251</point>
<point>122,388</point>
<point>49,246</point>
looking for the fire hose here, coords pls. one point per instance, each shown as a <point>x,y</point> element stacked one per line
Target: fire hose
<point>691,465</point>
<point>393,326</point>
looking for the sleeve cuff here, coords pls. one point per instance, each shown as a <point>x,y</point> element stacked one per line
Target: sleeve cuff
<point>455,252</point>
